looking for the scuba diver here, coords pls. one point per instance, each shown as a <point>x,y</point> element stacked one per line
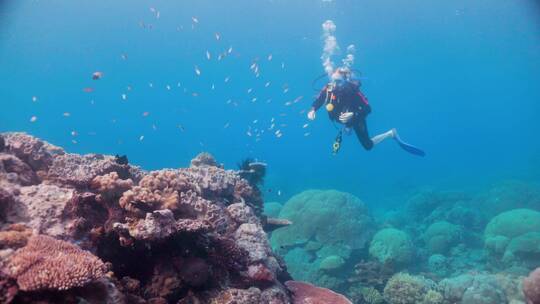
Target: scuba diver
<point>347,105</point>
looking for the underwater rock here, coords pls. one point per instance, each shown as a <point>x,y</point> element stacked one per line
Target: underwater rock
<point>304,293</point>
<point>392,246</point>
<point>38,154</point>
<point>42,207</point>
<point>441,236</point>
<point>520,228</point>
<point>79,170</point>
<point>2,143</point>
<point>531,287</point>
<point>168,236</point>
<point>16,171</point>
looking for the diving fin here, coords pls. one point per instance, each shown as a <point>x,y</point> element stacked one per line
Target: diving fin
<point>408,147</point>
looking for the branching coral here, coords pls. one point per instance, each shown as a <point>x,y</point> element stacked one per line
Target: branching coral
<point>111,185</point>
<point>372,273</point>
<point>47,263</point>
<point>15,236</point>
<point>403,288</point>
<point>156,190</point>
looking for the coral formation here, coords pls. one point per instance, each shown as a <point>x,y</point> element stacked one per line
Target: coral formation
<point>46,263</point>
<point>188,235</point>
<point>392,246</point>
<point>531,287</point>
<point>324,224</point>
<point>403,288</point>
<point>441,236</point>
<point>514,237</point>
<point>304,293</point>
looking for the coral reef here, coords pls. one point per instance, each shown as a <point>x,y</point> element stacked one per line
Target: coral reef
<point>304,293</point>
<point>403,288</point>
<point>46,263</point>
<point>514,238</point>
<point>188,235</point>
<point>325,224</point>
<point>531,287</point>
<point>392,246</point>
<point>441,236</point>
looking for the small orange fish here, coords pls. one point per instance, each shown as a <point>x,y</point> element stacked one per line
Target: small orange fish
<point>88,90</point>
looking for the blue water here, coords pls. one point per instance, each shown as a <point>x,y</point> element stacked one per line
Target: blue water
<point>459,78</point>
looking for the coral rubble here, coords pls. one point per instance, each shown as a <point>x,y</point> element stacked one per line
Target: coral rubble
<point>95,229</point>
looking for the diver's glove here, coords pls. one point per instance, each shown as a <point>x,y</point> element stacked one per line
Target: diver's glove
<point>345,117</point>
<point>311,114</point>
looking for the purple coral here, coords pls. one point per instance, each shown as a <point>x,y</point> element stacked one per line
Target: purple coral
<point>531,287</point>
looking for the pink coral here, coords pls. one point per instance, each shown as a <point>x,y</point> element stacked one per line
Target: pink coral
<point>304,293</point>
<point>79,170</point>
<point>33,151</point>
<point>41,207</point>
<point>111,185</point>
<point>16,171</point>
<point>156,190</point>
<point>531,287</point>
<point>47,263</point>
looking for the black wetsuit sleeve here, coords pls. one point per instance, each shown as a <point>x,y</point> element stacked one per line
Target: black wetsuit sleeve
<point>317,104</point>
<point>362,104</point>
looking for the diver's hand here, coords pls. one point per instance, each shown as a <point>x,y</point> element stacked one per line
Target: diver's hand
<point>345,117</point>
<point>311,114</point>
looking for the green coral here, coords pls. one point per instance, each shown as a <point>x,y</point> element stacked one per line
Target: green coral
<point>272,209</point>
<point>441,236</point>
<point>392,246</point>
<point>403,288</point>
<point>328,217</point>
<point>514,236</point>
<point>332,262</point>
<point>371,295</point>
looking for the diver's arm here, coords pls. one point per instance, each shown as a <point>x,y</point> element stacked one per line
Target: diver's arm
<point>362,103</point>
<point>317,104</point>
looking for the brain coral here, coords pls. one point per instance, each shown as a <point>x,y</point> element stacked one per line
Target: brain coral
<point>441,236</point>
<point>392,245</point>
<point>517,227</point>
<point>47,263</point>
<point>327,217</point>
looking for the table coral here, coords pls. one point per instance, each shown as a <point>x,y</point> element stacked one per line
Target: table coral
<point>46,263</point>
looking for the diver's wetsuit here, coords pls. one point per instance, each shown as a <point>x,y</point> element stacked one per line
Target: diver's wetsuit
<point>348,98</point>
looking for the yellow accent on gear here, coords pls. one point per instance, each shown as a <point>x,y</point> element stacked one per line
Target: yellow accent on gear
<point>329,107</point>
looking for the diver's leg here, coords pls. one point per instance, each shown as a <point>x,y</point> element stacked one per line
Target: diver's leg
<point>379,138</point>
<point>361,131</point>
